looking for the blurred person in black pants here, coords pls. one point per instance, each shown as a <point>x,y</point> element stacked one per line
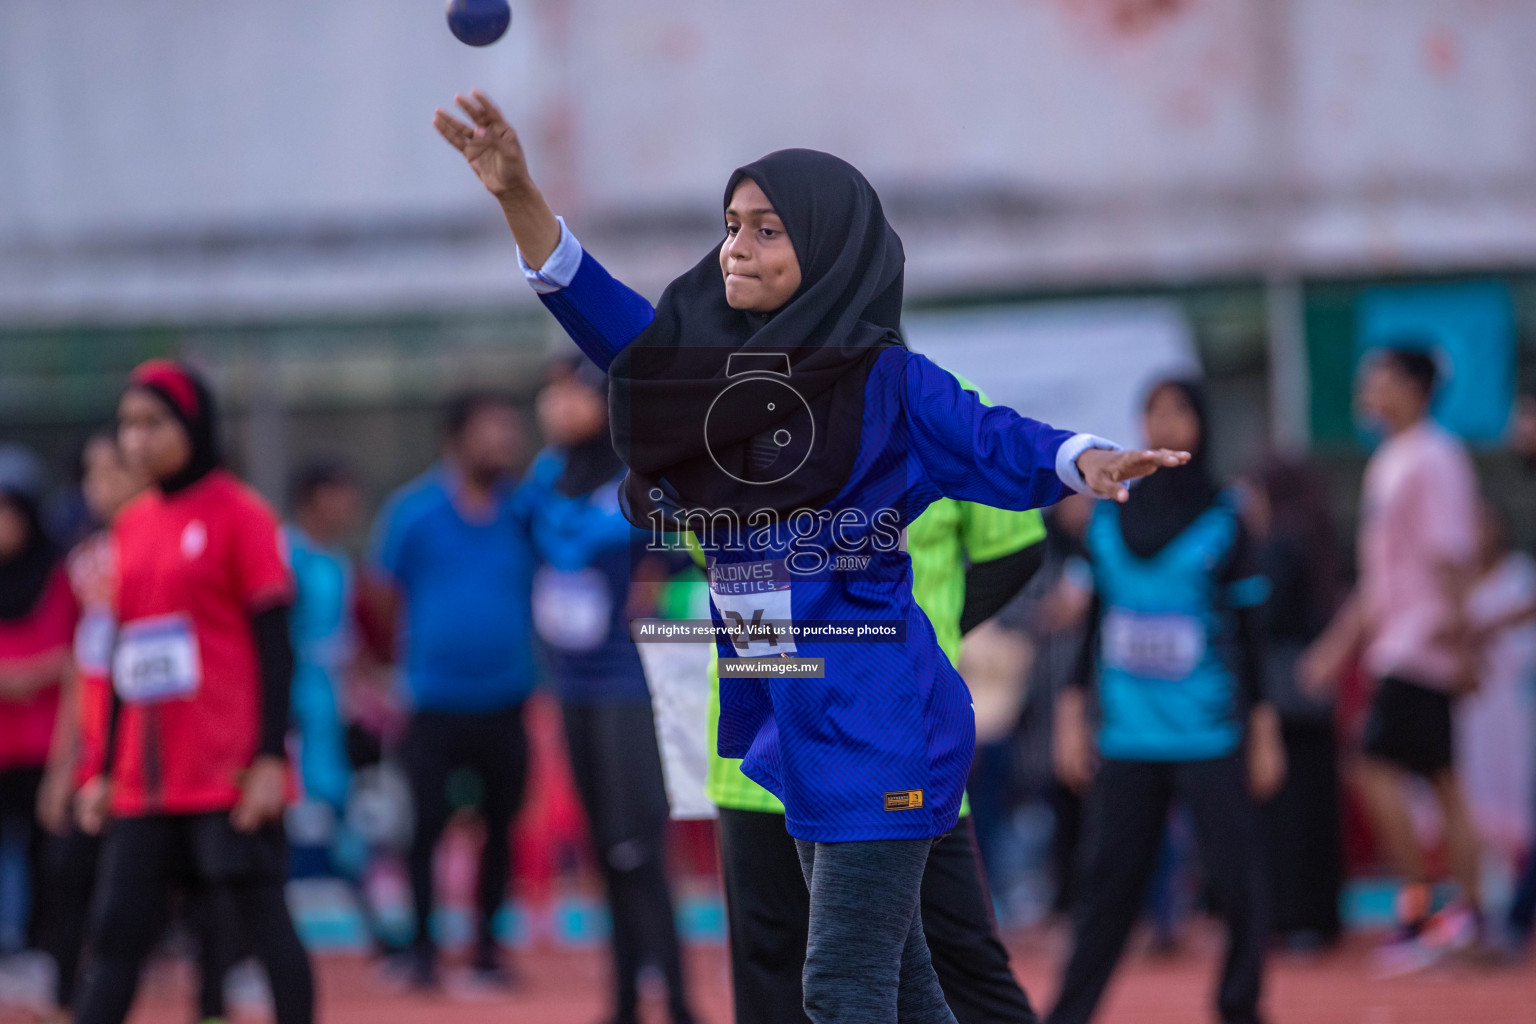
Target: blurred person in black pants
<point>1174,661</point>
<point>77,748</point>
<point>1299,553</point>
<point>451,564</point>
<point>591,580</point>
<point>77,745</point>
<point>194,775</point>
<point>1520,919</point>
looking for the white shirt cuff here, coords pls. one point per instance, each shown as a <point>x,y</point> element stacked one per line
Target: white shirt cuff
<point>560,269</point>
<point>1067,455</point>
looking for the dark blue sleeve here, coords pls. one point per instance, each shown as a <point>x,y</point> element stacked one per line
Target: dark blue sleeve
<point>974,452</point>
<point>600,314</point>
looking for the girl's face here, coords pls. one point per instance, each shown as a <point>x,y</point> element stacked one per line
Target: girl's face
<point>153,441</point>
<point>1171,422</point>
<point>761,270</point>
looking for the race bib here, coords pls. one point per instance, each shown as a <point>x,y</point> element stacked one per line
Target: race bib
<point>753,594</point>
<point>572,610</point>
<point>1153,646</point>
<point>157,660</point>
<point>94,636</point>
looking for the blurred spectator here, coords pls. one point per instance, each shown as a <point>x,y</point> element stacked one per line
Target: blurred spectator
<point>196,777</point>
<point>327,508</point>
<point>79,737</point>
<point>1299,554</point>
<point>78,747</point>
<point>1522,911</point>
<point>454,564</point>
<point>583,599</point>
<point>1418,550</point>
<point>1176,628</point>
<point>1494,754</point>
<point>37,622</point>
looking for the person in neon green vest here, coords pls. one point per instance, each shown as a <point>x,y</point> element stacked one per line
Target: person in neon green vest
<point>967,561</point>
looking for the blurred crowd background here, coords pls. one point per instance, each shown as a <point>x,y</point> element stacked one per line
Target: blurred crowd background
<point>1093,194</point>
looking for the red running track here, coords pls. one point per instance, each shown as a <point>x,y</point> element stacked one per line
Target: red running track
<point>567,987</point>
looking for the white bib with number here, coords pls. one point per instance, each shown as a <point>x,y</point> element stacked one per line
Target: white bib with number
<point>753,594</point>
<point>156,660</point>
<point>571,610</point>
<point>1153,646</point>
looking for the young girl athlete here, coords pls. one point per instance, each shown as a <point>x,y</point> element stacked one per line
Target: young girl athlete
<point>768,403</point>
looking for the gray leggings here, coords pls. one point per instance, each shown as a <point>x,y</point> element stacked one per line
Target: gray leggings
<point>867,960</point>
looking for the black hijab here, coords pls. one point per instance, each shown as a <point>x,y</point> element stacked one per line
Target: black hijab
<point>24,577</point>
<point>662,406</point>
<point>191,402</point>
<point>1164,504</point>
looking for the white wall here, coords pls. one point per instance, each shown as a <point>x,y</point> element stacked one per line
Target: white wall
<point>166,158</point>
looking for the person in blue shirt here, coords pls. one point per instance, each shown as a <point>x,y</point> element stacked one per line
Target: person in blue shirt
<point>451,556</point>
<point>1175,632</point>
<point>327,505</point>
<point>768,404</point>
<point>583,600</point>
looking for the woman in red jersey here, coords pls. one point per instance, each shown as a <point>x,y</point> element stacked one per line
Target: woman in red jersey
<point>196,778</point>
<point>37,617</point>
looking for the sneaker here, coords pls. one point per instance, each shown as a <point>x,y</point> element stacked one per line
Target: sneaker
<point>28,981</point>
<point>1504,948</point>
<point>410,970</point>
<point>1402,954</point>
<point>493,960</point>
<point>1454,930</point>
<point>246,991</point>
<point>481,984</point>
<point>487,977</point>
<point>1515,941</point>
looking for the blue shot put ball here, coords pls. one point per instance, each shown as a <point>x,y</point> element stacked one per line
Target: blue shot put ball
<point>479,22</point>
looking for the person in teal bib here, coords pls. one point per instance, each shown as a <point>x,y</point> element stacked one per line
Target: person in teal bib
<point>327,507</point>
<point>1175,635</point>
<point>968,560</point>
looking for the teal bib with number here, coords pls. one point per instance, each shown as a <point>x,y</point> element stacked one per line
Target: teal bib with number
<point>1166,688</point>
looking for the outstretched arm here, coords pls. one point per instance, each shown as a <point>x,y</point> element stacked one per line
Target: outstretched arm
<point>599,313</point>
<point>992,455</point>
